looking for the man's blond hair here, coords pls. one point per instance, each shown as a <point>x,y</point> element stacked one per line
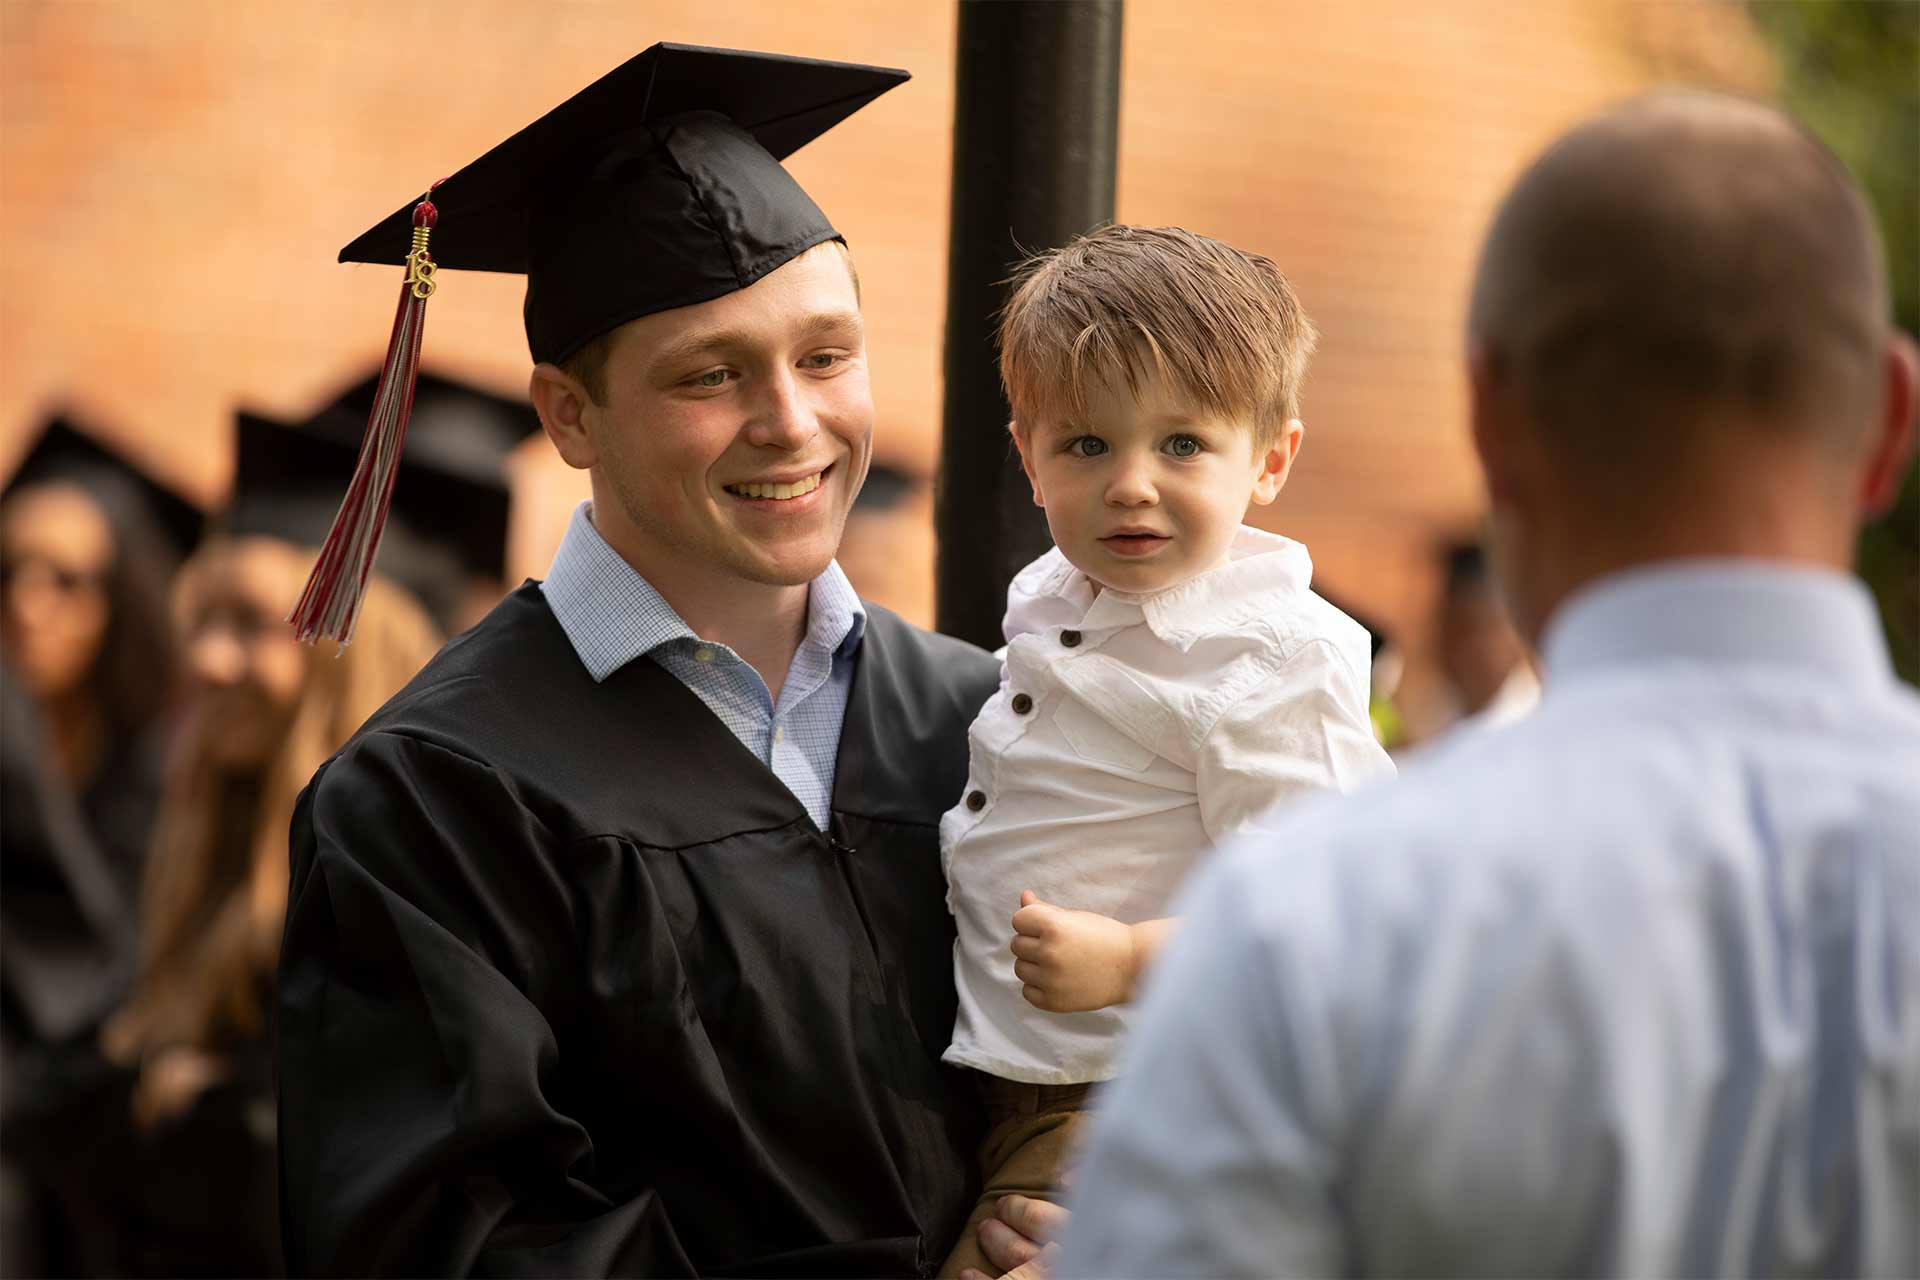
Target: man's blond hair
<point>1123,305</point>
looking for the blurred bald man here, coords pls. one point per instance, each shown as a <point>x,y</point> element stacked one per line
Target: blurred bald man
<point>1632,987</point>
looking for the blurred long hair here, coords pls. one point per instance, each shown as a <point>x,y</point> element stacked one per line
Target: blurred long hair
<point>135,677</point>
<point>132,681</point>
<point>215,894</point>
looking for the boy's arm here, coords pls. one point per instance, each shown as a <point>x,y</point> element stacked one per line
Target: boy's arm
<point>1149,938</point>
<point>1302,730</point>
<point>1071,961</point>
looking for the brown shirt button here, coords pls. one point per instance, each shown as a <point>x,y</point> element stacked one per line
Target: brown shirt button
<point>1021,704</point>
<point>1071,639</point>
<point>976,800</point>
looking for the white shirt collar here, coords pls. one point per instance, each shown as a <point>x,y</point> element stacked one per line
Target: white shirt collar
<point>1263,569</point>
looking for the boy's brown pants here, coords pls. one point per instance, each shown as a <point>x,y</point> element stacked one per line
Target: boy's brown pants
<point>1032,1132</point>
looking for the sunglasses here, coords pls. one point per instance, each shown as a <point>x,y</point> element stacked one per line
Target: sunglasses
<point>38,571</point>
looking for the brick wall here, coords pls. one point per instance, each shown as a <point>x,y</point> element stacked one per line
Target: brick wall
<point>176,178</point>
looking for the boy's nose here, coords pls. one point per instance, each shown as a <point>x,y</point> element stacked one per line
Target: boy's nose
<point>1132,486</point>
<point>784,419</point>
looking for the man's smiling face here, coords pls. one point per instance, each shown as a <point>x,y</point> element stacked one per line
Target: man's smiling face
<point>735,433</point>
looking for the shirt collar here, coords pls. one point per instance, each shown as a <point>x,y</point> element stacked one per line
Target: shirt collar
<point>1721,612</point>
<point>1263,569</point>
<point>612,615</point>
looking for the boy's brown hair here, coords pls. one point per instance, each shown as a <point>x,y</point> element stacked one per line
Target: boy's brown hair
<point>1219,325</point>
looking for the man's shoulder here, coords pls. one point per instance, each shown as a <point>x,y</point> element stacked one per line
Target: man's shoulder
<point>1612,782</point>
<point>509,657</point>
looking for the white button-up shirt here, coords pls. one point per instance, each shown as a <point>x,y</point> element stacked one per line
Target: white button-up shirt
<point>1129,733</point>
<point>1631,987</point>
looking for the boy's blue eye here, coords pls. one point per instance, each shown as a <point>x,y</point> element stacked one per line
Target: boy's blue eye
<point>1086,446</point>
<point>711,379</point>
<point>1182,446</point>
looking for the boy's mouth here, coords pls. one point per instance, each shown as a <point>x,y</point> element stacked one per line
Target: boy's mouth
<point>1135,542</point>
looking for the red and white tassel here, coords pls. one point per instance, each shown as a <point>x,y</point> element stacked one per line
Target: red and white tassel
<point>329,606</point>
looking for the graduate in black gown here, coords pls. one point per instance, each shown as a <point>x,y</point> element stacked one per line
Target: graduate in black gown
<point>89,543</point>
<point>617,942</point>
<point>66,944</point>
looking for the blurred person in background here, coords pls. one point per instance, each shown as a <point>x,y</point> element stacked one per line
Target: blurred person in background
<point>447,545</point>
<point>1485,661</point>
<point>1388,666</point>
<point>464,437</point>
<point>65,949</point>
<point>1631,987</point>
<point>887,547</point>
<point>166,1150</point>
<point>89,543</point>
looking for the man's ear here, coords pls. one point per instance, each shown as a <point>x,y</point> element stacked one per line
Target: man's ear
<point>563,405</point>
<point>1494,418</point>
<point>1024,445</point>
<point>1278,462</point>
<point>1893,433</point>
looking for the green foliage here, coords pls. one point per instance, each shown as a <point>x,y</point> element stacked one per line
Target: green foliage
<point>1851,70</point>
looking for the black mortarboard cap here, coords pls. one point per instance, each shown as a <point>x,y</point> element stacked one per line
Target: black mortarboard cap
<point>455,426</point>
<point>443,525</point>
<point>69,451</point>
<point>658,186</point>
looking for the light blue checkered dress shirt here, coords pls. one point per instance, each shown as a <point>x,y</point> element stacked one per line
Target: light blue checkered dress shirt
<point>612,615</point>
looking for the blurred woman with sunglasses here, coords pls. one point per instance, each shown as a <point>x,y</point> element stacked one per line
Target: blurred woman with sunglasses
<point>88,545</point>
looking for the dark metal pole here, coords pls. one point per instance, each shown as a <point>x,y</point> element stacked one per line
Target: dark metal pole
<point>1035,142</point>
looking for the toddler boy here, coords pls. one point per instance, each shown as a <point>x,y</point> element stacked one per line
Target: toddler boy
<point>1168,676</point>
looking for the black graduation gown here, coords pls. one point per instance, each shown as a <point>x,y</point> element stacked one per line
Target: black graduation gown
<point>572,985</point>
<point>82,1193</point>
<point>122,800</point>
<point>65,956</point>
<point>66,932</point>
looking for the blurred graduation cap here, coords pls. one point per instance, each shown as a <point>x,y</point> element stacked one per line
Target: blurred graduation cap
<point>1378,637</point>
<point>887,488</point>
<point>1466,566</point>
<point>70,451</point>
<point>455,425</point>
<point>444,527</point>
<point>658,186</point>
